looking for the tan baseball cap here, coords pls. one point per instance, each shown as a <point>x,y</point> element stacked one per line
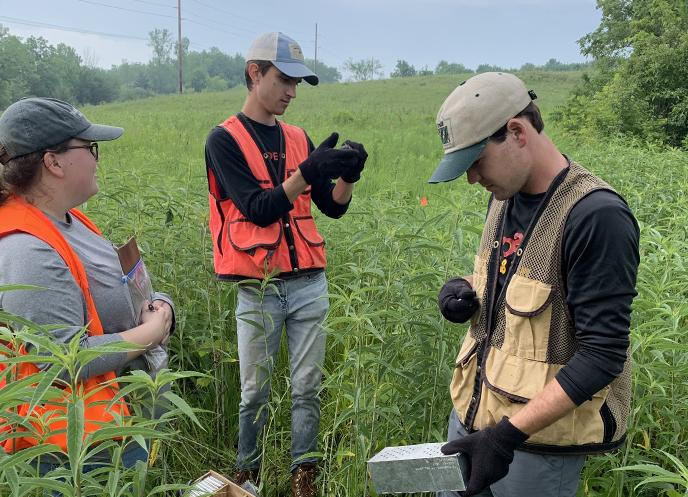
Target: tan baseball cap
<point>474,111</point>
<point>284,53</point>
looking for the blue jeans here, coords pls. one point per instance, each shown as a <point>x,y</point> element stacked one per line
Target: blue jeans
<point>530,474</point>
<point>299,305</point>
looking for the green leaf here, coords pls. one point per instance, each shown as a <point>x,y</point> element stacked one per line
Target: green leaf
<point>75,431</point>
<point>183,406</point>
<point>46,382</point>
<point>27,455</point>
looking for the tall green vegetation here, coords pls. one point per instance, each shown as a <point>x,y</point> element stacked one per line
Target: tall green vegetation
<point>639,86</point>
<point>81,469</point>
<point>390,354</point>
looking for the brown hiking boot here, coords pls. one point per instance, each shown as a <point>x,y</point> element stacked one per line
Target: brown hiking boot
<point>303,481</point>
<point>241,476</point>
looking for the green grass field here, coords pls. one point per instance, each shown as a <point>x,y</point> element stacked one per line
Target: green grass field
<point>390,354</point>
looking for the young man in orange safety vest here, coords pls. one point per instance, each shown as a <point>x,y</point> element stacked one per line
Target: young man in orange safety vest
<point>262,176</point>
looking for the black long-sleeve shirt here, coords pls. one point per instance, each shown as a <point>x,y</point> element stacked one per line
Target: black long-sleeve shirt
<point>600,263</point>
<point>235,181</point>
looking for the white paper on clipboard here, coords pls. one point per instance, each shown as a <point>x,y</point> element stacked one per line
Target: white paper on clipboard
<point>135,276</point>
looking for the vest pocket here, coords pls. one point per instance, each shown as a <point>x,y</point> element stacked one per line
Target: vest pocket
<point>512,381</point>
<point>305,226</point>
<point>247,237</point>
<point>528,316</point>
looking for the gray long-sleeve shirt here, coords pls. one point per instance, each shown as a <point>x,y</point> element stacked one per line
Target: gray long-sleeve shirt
<point>24,259</point>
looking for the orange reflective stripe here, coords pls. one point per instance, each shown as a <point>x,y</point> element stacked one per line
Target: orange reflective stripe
<point>18,216</point>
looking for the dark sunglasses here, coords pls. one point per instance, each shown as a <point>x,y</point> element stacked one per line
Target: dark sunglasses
<point>93,148</point>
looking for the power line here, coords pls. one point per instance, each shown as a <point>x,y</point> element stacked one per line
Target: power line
<point>234,15</point>
<point>221,26</point>
<point>126,9</point>
<point>158,15</point>
<point>228,12</point>
<point>207,26</point>
<point>156,4</point>
<point>57,27</point>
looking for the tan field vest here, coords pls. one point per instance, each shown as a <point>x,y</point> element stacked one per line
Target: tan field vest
<point>511,353</point>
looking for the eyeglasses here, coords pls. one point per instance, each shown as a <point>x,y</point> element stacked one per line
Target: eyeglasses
<point>93,148</point>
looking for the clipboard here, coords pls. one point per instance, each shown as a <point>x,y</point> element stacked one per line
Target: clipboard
<point>135,275</point>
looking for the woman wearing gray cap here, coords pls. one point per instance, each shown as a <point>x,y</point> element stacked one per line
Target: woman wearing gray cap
<point>49,156</point>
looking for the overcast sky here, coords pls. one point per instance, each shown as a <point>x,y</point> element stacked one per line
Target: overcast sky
<point>507,33</point>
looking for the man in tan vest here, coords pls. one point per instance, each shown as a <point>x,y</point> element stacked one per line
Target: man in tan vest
<point>543,376</point>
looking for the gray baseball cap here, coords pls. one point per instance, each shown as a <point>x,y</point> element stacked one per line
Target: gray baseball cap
<point>284,53</point>
<point>473,112</point>
<point>34,124</point>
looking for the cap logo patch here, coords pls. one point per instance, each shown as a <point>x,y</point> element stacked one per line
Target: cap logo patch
<point>295,51</point>
<point>443,130</point>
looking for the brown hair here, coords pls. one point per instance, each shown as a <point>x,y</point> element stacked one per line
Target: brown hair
<point>532,113</point>
<point>263,66</point>
<point>19,174</point>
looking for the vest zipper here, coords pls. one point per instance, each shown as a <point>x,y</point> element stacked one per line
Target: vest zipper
<point>275,176</point>
<point>493,269</point>
<point>495,303</point>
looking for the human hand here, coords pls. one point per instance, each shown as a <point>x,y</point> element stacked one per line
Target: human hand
<point>354,174</point>
<point>159,303</point>
<point>489,453</point>
<point>160,318</point>
<point>327,162</point>
<point>457,300</point>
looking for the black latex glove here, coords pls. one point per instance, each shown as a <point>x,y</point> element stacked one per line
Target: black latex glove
<point>457,300</point>
<point>354,174</point>
<point>327,162</point>
<point>489,453</point>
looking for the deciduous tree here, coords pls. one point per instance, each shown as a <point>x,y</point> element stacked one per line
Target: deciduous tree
<point>363,69</point>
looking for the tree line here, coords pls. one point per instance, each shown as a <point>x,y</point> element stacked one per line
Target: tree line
<point>636,86</point>
<point>35,67</point>
<point>32,66</point>
<point>405,70</point>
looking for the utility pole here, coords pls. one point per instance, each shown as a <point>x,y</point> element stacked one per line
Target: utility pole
<point>179,44</point>
<point>315,65</point>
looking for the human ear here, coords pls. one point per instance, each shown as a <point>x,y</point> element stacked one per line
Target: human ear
<point>253,72</point>
<point>517,129</point>
<point>52,165</point>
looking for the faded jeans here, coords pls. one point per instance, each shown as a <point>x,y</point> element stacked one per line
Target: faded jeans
<point>530,474</point>
<point>299,305</point>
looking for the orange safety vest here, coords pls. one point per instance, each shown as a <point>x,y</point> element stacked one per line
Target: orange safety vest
<point>244,249</point>
<point>16,215</point>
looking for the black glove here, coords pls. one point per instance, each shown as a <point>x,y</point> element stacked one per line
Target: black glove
<point>354,174</point>
<point>457,300</point>
<point>489,452</point>
<point>327,162</point>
